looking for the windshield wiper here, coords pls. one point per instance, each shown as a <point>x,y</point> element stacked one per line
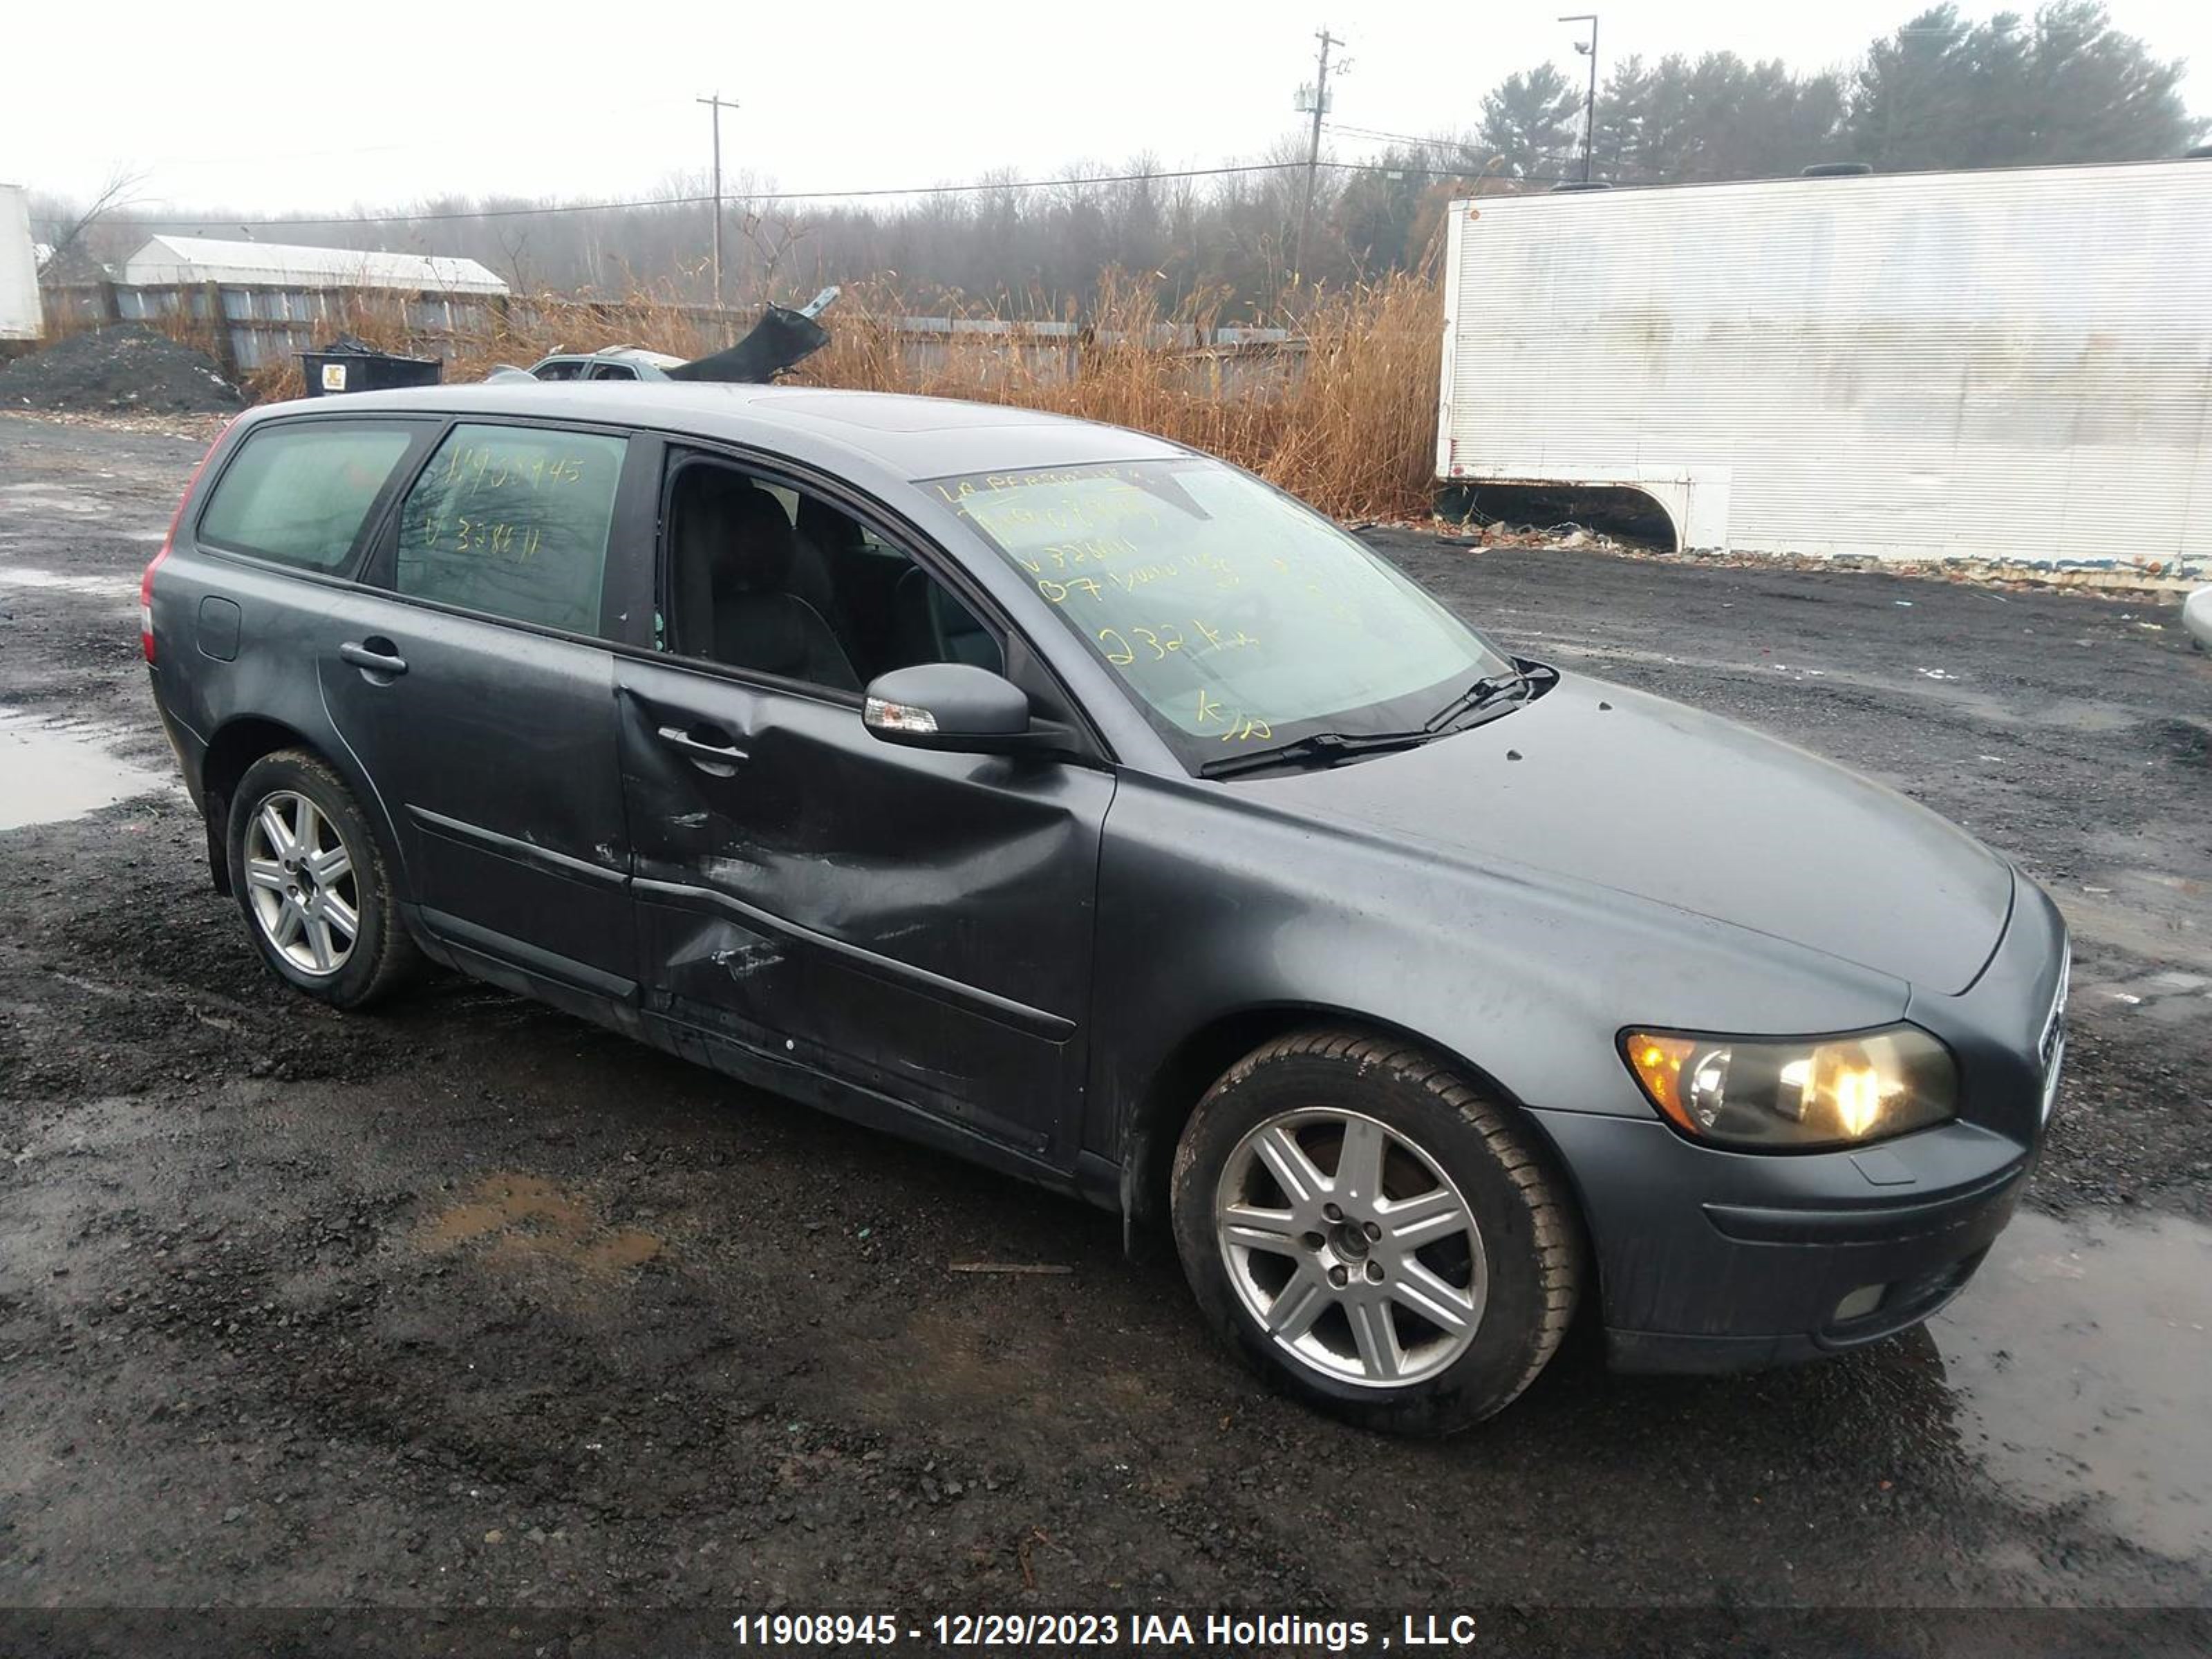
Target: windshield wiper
<point>1486,693</point>
<point>1326,746</point>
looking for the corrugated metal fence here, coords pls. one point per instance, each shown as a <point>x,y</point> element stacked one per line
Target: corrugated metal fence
<point>248,325</point>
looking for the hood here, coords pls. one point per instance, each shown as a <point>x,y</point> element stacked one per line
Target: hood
<point>1624,790</point>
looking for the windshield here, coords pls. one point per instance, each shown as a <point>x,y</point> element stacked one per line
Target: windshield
<point>1237,615</point>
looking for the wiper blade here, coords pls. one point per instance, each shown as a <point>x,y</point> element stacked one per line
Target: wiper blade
<point>1490,689</point>
<point>1490,696</point>
<point>1327,747</point>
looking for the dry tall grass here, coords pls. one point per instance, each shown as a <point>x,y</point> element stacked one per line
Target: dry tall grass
<point>1346,418</point>
<point>1347,421</point>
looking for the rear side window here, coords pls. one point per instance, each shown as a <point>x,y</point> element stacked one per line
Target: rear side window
<point>297,492</point>
<point>513,521</point>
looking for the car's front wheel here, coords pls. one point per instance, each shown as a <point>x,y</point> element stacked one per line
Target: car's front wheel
<point>1373,1233</point>
<point>312,881</point>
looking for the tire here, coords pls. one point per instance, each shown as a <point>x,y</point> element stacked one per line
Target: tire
<point>296,897</point>
<point>1465,1224</point>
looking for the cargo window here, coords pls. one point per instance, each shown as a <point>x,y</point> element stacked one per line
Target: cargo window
<point>513,521</point>
<point>297,492</point>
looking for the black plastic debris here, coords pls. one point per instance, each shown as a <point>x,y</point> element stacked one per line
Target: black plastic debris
<point>780,340</point>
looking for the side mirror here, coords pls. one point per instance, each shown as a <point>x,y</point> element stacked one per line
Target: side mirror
<point>957,707</point>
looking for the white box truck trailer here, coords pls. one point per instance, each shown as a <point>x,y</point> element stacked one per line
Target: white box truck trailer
<point>2012,367</point>
<point>21,316</point>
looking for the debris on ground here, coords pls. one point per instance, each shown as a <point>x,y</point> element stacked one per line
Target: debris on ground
<point>125,367</point>
<point>1009,1267</point>
<point>2156,582</point>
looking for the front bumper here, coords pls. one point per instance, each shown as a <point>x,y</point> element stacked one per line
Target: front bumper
<point>1724,1261</point>
<point>1720,1260</point>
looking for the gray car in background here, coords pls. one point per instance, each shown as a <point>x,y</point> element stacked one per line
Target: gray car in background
<point>610,363</point>
<point>1057,796</point>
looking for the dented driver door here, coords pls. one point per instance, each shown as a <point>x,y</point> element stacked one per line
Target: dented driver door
<point>813,904</point>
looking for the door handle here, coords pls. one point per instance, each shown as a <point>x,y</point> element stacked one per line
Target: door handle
<point>373,655</point>
<point>713,752</point>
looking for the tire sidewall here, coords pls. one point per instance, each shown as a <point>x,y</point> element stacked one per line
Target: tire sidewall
<point>1508,1343</point>
<point>287,772</point>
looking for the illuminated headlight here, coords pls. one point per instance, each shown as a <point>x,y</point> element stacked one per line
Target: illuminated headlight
<point>1796,1093</point>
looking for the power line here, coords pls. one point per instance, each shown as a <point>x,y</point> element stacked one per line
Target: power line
<point>798,196</point>
<point>1469,146</point>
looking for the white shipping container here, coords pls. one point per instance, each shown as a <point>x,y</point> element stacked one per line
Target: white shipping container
<point>2010,366</point>
<point>21,316</point>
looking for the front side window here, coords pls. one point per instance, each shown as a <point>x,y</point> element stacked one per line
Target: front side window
<point>513,521</point>
<point>760,576</point>
<point>297,492</point>
<point>1235,614</point>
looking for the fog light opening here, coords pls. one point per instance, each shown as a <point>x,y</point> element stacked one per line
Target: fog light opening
<point>1860,1302</point>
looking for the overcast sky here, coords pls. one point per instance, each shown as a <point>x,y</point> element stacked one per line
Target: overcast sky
<point>270,111</point>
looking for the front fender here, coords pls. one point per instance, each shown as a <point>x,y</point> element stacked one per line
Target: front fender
<point>1213,907</point>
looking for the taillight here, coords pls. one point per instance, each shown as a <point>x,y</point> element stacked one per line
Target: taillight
<point>146,594</point>
<point>168,543</point>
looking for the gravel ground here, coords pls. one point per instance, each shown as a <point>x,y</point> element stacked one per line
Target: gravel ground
<point>475,1311</point>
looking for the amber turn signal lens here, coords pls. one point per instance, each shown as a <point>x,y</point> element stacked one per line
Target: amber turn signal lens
<point>1657,1062</point>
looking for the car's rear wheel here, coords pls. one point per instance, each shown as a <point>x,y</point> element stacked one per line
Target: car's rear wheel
<point>1373,1234</point>
<point>312,881</point>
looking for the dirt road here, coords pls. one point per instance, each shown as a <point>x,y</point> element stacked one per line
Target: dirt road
<point>474,1306</point>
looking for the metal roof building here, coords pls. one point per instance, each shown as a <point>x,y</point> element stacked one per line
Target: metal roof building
<point>167,260</point>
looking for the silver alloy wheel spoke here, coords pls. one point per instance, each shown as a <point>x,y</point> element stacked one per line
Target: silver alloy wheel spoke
<point>1413,1222</point>
<point>1445,1306</point>
<point>1303,1301</point>
<point>1377,1339</point>
<point>1293,1170</point>
<point>340,916</point>
<point>300,885</point>
<point>1387,1277</point>
<point>1263,1229</point>
<point>280,839</point>
<point>1359,1165</point>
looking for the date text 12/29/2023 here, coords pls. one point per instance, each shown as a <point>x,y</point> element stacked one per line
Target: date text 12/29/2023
<point>1196,1631</point>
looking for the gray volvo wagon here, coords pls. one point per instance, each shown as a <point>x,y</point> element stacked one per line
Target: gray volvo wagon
<point>1059,797</point>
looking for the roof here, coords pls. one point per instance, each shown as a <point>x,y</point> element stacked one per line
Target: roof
<point>907,437</point>
<point>168,258</point>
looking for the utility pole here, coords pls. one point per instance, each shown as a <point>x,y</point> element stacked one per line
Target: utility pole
<point>1589,49</point>
<point>718,105</point>
<point>1318,95</point>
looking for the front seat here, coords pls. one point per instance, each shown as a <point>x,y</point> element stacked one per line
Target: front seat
<point>930,625</point>
<point>738,531</point>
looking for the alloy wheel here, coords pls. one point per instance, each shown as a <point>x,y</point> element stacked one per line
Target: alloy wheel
<point>300,878</point>
<point>1351,1247</point>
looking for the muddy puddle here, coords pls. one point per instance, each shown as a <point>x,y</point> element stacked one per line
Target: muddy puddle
<point>2079,1361</point>
<point>525,1217</point>
<point>52,769</point>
